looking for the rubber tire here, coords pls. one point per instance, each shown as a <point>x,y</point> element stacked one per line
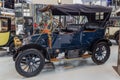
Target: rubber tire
<point>26,52</point>
<point>117,38</point>
<point>106,57</point>
<point>12,46</point>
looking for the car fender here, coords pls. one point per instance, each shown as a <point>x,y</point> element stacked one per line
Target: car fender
<point>100,40</point>
<point>11,40</point>
<point>115,34</point>
<point>30,46</point>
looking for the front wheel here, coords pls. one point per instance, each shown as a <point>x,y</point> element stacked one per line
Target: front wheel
<point>101,53</point>
<point>29,63</point>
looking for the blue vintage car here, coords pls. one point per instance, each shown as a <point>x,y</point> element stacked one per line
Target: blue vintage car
<point>72,39</point>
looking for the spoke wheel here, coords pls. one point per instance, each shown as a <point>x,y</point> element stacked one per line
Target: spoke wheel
<point>101,53</point>
<point>29,63</point>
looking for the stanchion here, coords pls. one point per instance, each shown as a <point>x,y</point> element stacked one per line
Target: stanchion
<point>117,68</point>
<point>118,64</point>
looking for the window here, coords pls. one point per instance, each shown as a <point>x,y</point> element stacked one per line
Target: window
<point>74,23</point>
<point>76,19</point>
<point>26,10</point>
<point>3,25</point>
<point>99,16</point>
<point>83,20</point>
<point>9,4</point>
<point>18,10</point>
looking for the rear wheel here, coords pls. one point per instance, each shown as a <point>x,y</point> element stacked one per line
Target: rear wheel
<point>101,53</point>
<point>29,63</point>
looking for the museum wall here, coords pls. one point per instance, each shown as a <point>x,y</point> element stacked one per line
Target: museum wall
<point>51,1</point>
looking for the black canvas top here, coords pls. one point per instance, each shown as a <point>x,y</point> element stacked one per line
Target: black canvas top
<point>76,9</point>
<point>116,17</point>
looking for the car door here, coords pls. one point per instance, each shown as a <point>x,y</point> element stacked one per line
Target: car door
<point>90,33</point>
<point>62,41</point>
<point>4,31</point>
<point>76,40</point>
<point>69,39</point>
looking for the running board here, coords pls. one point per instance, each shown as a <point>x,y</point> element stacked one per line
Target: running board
<point>84,57</point>
<point>4,49</point>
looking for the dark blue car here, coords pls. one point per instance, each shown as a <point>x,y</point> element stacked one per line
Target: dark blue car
<point>72,39</point>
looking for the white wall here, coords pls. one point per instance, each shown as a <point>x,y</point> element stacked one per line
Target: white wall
<point>95,2</point>
<point>77,1</point>
<point>51,1</point>
<point>103,3</point>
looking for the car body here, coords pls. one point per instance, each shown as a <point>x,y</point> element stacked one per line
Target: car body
<point>112,31</point>
<point>6,33</point>
<point>74,39</point>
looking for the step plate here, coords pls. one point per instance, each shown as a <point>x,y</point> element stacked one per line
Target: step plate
<point>84,57</point>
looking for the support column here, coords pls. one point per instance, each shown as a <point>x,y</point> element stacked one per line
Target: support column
<point>118,62</point>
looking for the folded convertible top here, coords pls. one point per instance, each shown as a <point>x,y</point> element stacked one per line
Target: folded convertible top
<point>76,9</point>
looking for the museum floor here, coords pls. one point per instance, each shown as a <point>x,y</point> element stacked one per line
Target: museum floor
<point>83,69</point>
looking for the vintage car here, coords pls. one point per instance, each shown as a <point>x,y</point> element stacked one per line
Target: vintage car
<point>112,31</point>
<point>73,39</point>
<point>6,33</point>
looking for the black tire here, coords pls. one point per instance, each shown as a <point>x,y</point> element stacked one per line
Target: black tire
<point>29,59</point>
<point>98,56</point>
<point>11,48</point>
<point>117,38</point>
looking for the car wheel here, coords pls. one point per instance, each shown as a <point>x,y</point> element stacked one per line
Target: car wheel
<point>11,48</point>
<point>117,38</point>
<point>101,53</point>
<point>29,63</point>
